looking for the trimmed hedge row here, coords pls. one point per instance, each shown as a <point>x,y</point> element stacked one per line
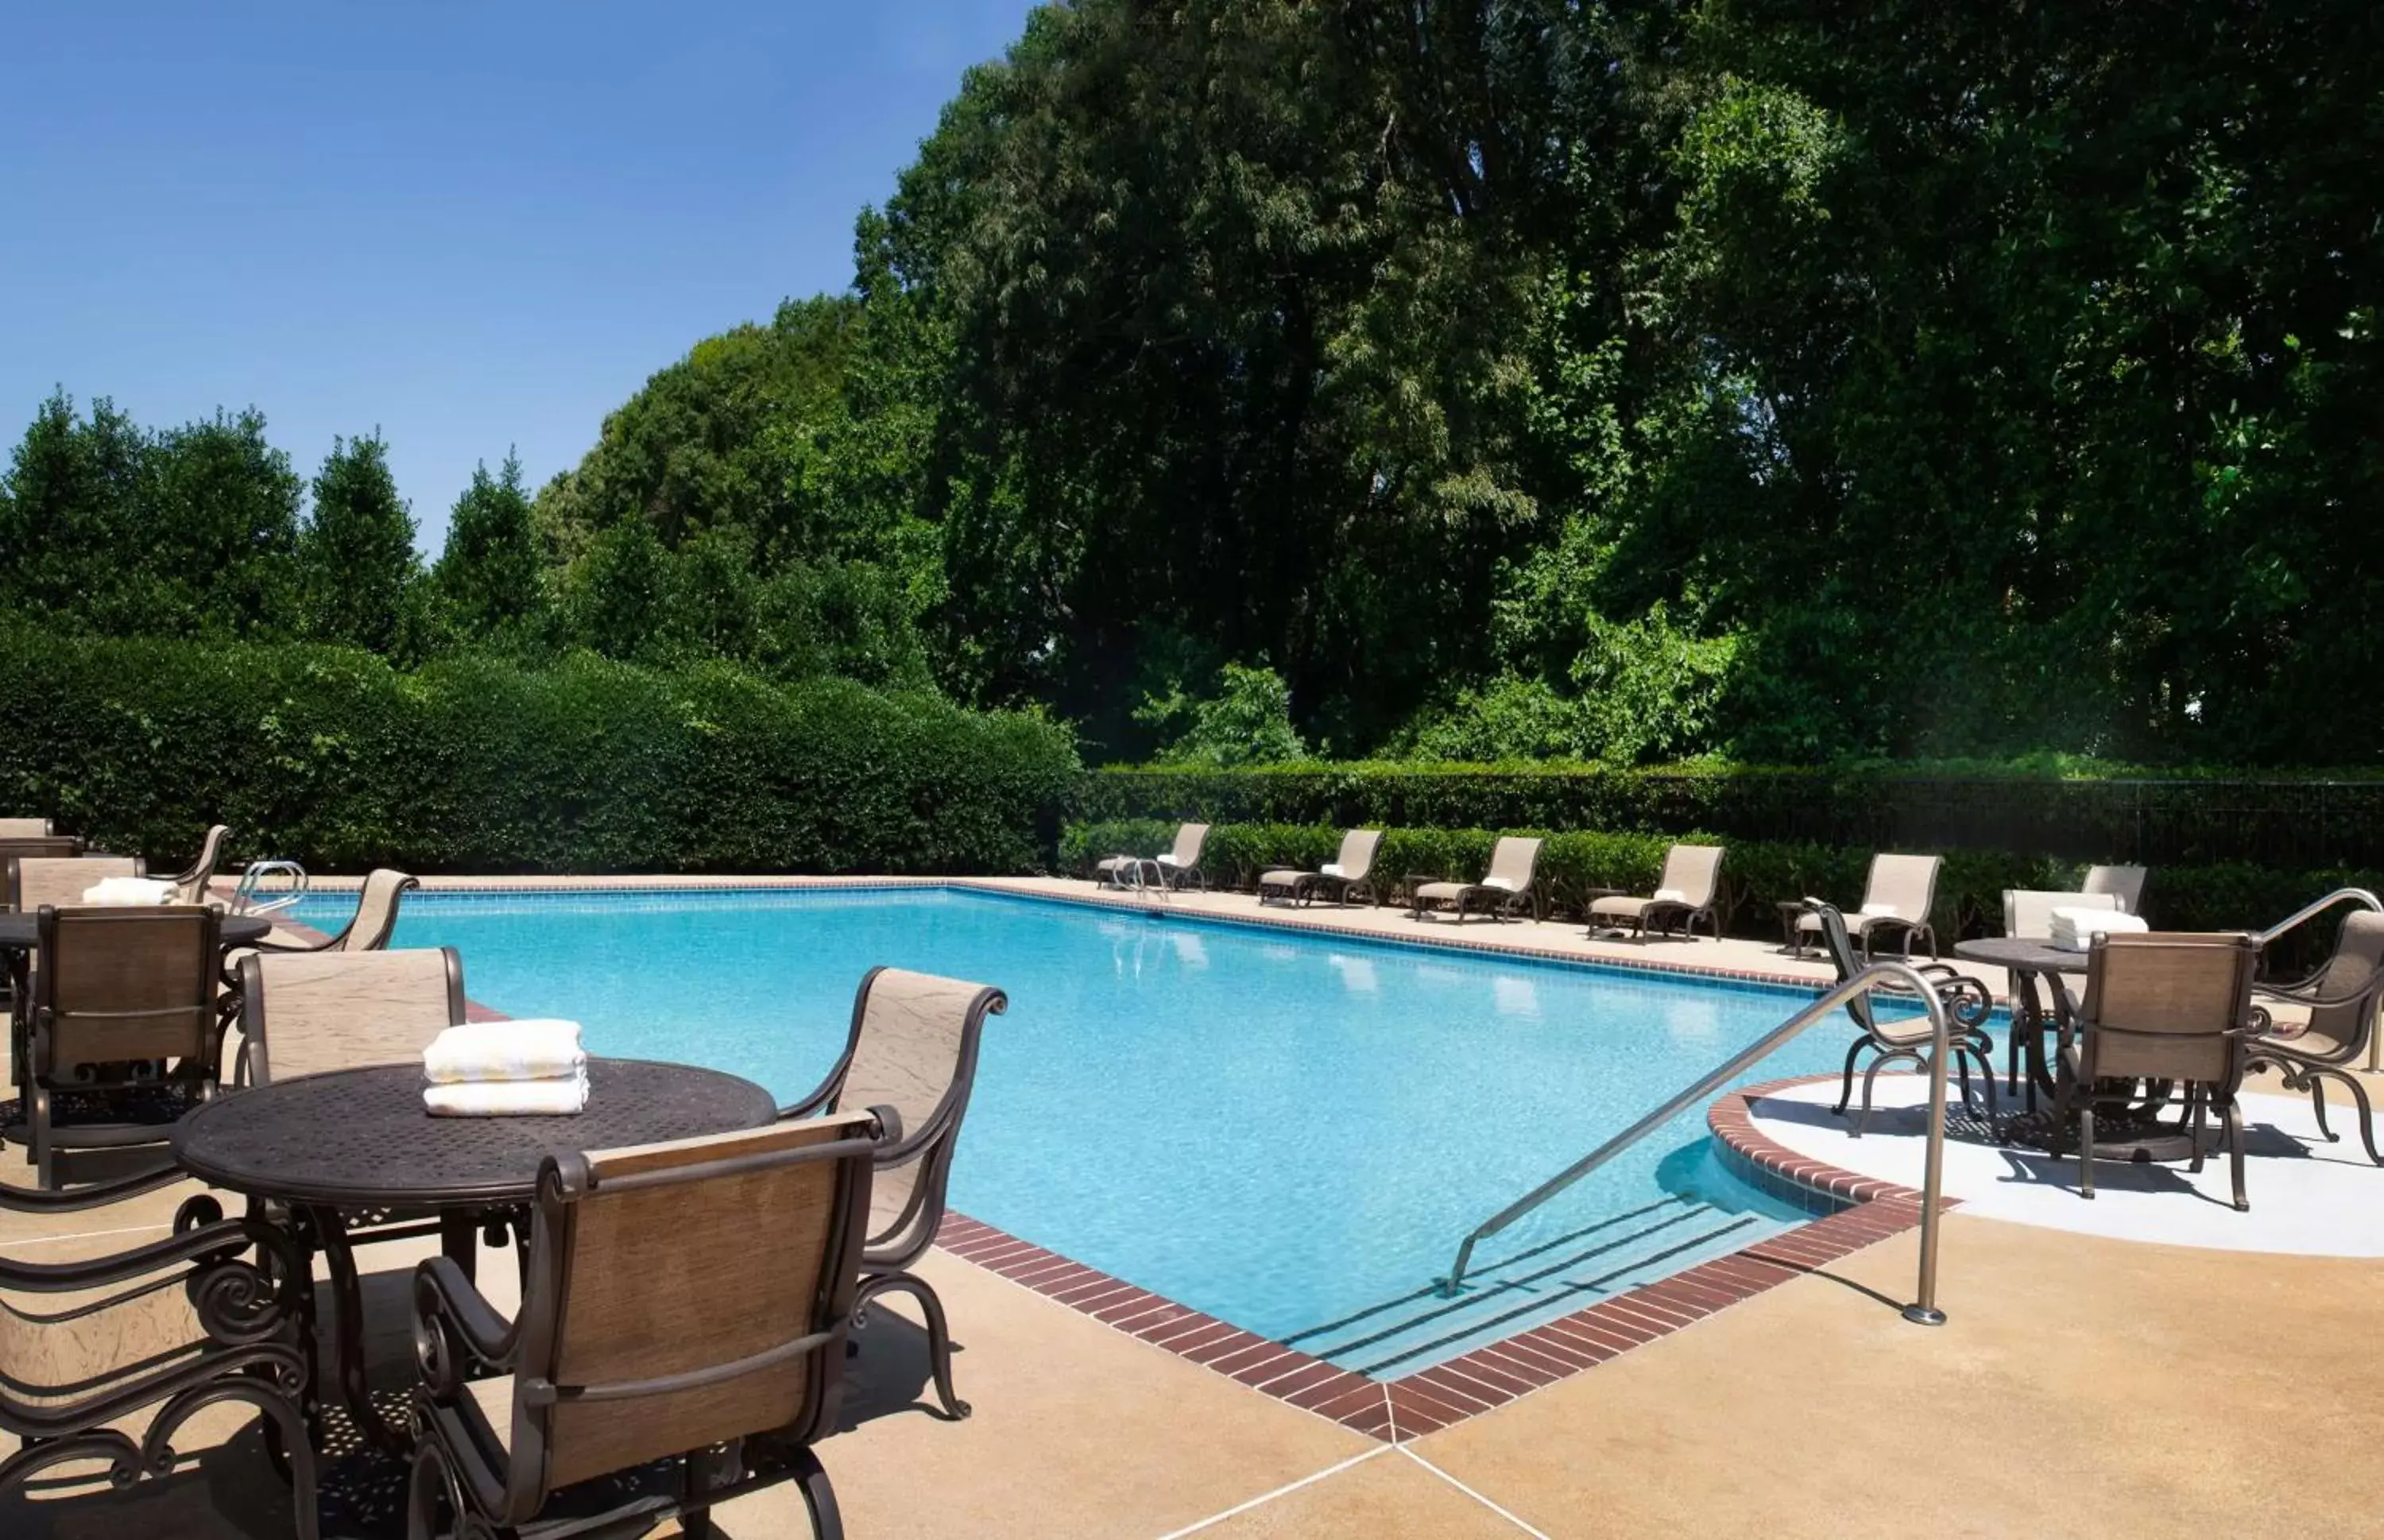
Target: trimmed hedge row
<point>333,757</point>
<point>2295,823</point>
<point>1756,874</point>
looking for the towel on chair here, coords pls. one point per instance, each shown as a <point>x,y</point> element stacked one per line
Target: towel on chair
<point>540,1048</point>
<point>128,893</point>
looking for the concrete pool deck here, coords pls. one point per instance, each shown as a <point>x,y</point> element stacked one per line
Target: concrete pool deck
<point>2083,1385</point>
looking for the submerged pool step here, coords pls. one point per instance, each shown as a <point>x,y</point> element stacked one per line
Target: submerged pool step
<point>1419,1328</point>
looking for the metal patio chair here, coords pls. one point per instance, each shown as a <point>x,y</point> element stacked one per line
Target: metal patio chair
<point>680,1343</point>
<point>1968,1004</point>
<point>2342,999</point>
<point>911,1055</point>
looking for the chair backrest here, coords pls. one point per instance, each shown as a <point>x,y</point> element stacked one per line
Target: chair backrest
<point>1903,886</point>
<point>115,985</point>
<point>1357,856</point>
<point>375,914</point>
<point>2125,885</point>
<point>190,885</point>
<point>308,1013</point>
<point>25,828</point>
<point>2161,1005</point>
<point>1513,862</point>
<point>59,882</point>
<point>2351,987</point>
<point>2028,912</point>
<point>1840,945</point>
<point>913,1047</point>
<point>685,1294</point>
<point>1692,871</point>
<point>53,847</point>
<point>1190,838</point>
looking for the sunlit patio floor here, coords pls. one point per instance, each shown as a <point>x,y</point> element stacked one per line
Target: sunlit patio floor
<point>2083,1385</point>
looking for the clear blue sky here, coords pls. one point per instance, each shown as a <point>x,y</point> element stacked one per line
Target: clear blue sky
<point>469,226</point>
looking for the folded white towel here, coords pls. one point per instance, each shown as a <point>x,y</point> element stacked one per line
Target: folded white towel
<point>1331,868</point>
<point>1878,911</point>
<point>1669,895</point>
<point>2074,929</point>
<point>492,1098</point>
<point>531,1049</point>
<point>128,893</point>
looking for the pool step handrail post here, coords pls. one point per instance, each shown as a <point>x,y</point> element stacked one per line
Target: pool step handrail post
<point>1923,1310</point>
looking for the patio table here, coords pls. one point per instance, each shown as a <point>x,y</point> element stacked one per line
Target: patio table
<point>357,1145</point>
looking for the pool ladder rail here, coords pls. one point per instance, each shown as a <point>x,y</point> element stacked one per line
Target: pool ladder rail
<point>252,897</point>
<point>1923,1310</point>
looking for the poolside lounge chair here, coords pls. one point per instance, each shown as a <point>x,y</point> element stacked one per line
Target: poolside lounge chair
<point>911,1056</point>
<point>190,885</point>
<point>1179,865</point>
<point>1966,1002</point>
<point>1347,873</point>
<point>2125,885</point>
<point>2028,913</point>
<point>2342,999</point>
<point>2163,1006</point>
<point>1896,901</point>
<point>680,1343</point>
<point>166,1326</point>
<point>61,881</point>
<point>1691,880</point>
<point>123,1020</point>
<point>1512,881</point>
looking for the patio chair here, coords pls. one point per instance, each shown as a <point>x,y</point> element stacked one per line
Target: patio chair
<point>2163,1006</point>
<point>368,930</point>
<point>45,847</point>
<point>26,829</point>
<point>1896,901</point>
<point>1178,865</point>
<point>1686,890</point>
<point>2123,885</point>
<point>190,885</point>
<point>121,1021</point>
<point>1347,873</point>
<point>60,882</point>
<point>1966,1002</point>
<point>911,1056</point>
<point>1512,881</point>
<point>680,1343</point>
<point>2342,999</point>
<point>2028,912</point>
<point>310,1013</point>
<point>205,1316</point>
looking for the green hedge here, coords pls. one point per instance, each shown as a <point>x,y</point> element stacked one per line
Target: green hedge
<point>1755,872</point>
<point>2297,822</point>
<point>332,757</point>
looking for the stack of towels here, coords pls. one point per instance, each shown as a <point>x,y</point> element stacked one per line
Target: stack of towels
<point>129,892</point>
<point>505,1069</point>
<point>2074,929</point>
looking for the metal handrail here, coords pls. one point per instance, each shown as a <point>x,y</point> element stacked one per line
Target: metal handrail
<point>2309,912</point>
<point>1923,1309</point>
<point>246,899</point>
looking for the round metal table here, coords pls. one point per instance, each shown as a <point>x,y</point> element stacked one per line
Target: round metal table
<point>357,1145</point>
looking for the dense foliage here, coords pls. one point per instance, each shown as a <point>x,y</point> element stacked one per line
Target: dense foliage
<point>329,755</point>
<point>1787,379</point>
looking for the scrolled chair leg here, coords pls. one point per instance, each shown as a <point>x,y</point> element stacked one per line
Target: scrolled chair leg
<point>2234,1113</point>
<point>2366,1113</point>
<point>2317,1109</point>
<point>1862,1120</point>
<point>1847,1081</point>
<point>431,1491</point>
<point>939,1337</point>
<point>819,1498</point>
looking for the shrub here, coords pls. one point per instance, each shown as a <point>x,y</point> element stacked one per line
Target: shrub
<point>330,756</point>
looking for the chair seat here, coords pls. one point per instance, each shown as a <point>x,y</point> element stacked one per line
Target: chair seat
<point>1284,878</point>
<point>1622,904</point>
<point>1443,890</point>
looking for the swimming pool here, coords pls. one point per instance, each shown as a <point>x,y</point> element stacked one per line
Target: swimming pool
<point>1290,1132</point>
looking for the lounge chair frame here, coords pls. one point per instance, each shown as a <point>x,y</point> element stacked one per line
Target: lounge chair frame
<point>1663,914</point>
<point>2343,1013</point>
<point>1888,870</point>
<point>1177,868</point>
<point>562,1434</point>
<point>1967,1002</point>
<point>1359,849</point>
<point>901,1240</point>
<point>1497,898</point>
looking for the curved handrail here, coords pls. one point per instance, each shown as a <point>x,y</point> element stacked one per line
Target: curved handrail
<point>1923,1309</point>
<point>244,899</point>
<point>2309,912</point>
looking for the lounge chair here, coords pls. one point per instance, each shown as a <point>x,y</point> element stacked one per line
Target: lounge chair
<point>1512,882</point>
<point>190,885</point>
<point>1966,1000</point>
<point>911,1054</point>
<point>1896,901</point>
<point>1686,890</point>
<point>680,1343</point>
<point>26,829</point>
<point>2169,1007</point>
<point>197,1317</point>
<point>1349,873</point>
<point>2342,999</point>
<point>123,1020</point>
<point>2028,913</point>
<point>1177,866</point>
<point>2125,885</point>
<point>60,881</point>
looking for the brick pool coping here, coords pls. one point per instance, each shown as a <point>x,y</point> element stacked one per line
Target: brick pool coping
<point>1853,1211</point>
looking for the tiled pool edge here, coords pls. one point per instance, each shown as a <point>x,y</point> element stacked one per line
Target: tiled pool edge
<point>1862,1211</point>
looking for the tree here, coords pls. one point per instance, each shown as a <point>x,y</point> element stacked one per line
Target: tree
<point>357,559</point>
<point>490,579</point>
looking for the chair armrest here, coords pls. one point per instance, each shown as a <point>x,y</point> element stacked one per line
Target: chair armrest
<point>453,1322</point>
<point>218,1241</point>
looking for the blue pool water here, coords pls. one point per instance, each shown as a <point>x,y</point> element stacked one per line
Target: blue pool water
<point>1286,1131</point>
